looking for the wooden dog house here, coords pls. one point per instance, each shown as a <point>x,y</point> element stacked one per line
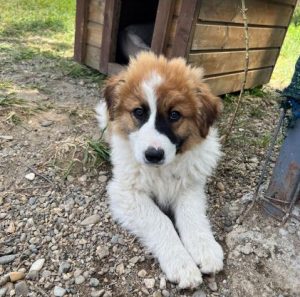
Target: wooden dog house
<point>208,33</point>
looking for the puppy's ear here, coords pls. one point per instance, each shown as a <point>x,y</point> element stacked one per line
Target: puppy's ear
<point>209,109</point>
<point>110,94</point>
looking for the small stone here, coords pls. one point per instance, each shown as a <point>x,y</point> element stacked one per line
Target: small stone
<point>97,293</point>
<point>6,137</point>
<point>102,178</point>
<point>77,272</point>
<point>246,249</point>
<point>3,291</point>
<point>199,293</point>
<point>37,265</point>
<point>253,160</point>
<point>16,275</point>
<point>30,176</point>
<point>79,280</point>
<point>120,269</point>
<point>142,273</point>
<point>149,283</point>
<point>165,293</point>
<point>162,283</point>
<point>134,260</point>
<point>157,294</point>
<point>64,267</point>
<point>102,252</point>
<point>292,229</point>
<point>32,275</point>
<point>4,279</point>
<point>7,259</point>
<point>211,283</point>
<point>11,228</point>
<point>59,292</point>
<point>32,200</point>
<point>21,289</point>
<point>46,123</point>
<point>94,282</point>
<point>220,186</point>
<point>93,219</point>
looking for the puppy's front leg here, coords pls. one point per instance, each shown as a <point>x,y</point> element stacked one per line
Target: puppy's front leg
<point>139,214</point>
<point>195,231</point>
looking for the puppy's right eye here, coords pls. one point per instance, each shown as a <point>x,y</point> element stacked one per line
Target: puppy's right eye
<point>138,112</point>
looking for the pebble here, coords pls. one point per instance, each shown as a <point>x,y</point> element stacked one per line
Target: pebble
<point>94,282</point>
<point>107,294</point>
<point>220,186</point>
<point>134,260</point>
<point>32,275</point>
<point>157,294</point>
<point>46,123</point>
<point>21,289</point>
<point>37,265</point>
<point>102,252</point>
<point>292,229</point>
<point>120,269</point>
<point>30,176</point>
<point>7,259</point>
<point>97,293</point>
<point>16,276</point>
<point>142,273</point>
<point>64,267</point>
<point>102,178</point>
<point>212,284</point>
<point>93,219</point>
<point>165,293</point>
<point>59,292</point>
<point>4,279</point>
<point>3,291</point>
<point>162,283</point>
<point>199,293</point>
<point>149,283</point>
<point>79,280</point>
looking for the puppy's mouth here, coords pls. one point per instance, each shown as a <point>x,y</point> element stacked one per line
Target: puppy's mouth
<point>154,164</point>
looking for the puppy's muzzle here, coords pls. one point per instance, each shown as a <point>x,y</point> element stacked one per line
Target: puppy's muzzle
<point>154,155</point>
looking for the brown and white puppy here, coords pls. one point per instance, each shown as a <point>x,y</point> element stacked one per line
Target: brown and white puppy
<point>159,116</point>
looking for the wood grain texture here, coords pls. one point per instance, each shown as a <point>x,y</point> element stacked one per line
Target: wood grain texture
<point>110,29</point>
<point>96,11</point>
<point>231,61</point>
<point>232,37</point>
<point>229,83</point>
<point>162,25</point>
<point>92,58</point>
<point>187,19</point>
<point>258,12</point>
<point>94,34</point>
<point>82,9</point>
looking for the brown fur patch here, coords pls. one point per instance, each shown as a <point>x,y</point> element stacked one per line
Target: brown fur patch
<point>182,90</point>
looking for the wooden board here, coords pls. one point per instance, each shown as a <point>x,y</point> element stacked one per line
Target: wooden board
<point>81,30</point>
<point>96,11</point>
<point>94,34</point>
<point>258,12</point>
<point>232,61</point>
<point>232,82</point>
<point>232,37</point>
<point>92,57</point>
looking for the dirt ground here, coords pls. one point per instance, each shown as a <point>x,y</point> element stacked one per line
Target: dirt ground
<point>46,124</point>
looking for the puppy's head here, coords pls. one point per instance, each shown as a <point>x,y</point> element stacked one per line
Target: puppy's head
<point>161,106</point>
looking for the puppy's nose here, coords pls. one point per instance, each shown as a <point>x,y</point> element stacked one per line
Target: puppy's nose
<point>154,155</point>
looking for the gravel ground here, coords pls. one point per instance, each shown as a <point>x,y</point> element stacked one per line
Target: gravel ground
<point>57,237</point>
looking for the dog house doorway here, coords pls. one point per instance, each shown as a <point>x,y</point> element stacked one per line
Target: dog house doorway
<point>151,17</point>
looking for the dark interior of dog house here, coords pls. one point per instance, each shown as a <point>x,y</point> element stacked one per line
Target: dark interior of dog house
<point>135,28</point>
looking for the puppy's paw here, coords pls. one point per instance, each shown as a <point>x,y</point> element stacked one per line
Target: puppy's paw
<point>207,253</point>
<point>182,270</point>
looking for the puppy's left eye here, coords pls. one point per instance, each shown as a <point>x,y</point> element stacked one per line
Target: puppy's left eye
<point>174,116</point>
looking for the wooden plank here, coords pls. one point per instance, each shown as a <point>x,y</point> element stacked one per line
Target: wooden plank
<point>92,57</point>
<point>258,12</point>
<point>81,30</point>
<point>110,28</point>
<point>231,61</point>
<point>96,11</point>
<point>94,34</point>
<point>229,83</point>
<point>288,2</point>
<point>232,37</point>
<point>115,68</point>
<point>162,25</point>
<point>184,28</point>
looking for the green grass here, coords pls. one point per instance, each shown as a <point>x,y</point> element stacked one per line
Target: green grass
<point>289,54</point>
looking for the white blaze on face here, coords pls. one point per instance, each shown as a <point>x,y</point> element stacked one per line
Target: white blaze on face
<point>147,136</point>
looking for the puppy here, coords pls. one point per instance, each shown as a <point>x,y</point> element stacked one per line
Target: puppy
<point>159,116</point>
